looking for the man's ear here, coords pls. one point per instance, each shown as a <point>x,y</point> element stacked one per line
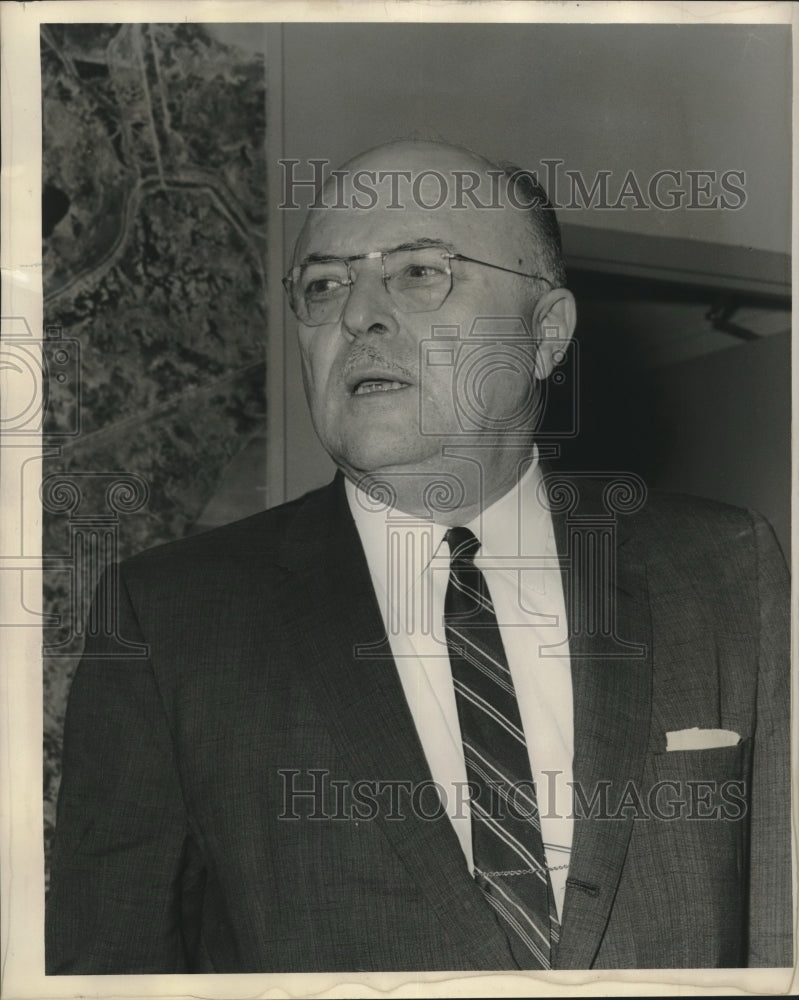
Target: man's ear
<point>554,319</point>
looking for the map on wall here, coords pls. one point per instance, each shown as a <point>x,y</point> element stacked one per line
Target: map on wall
<point>154,229</point>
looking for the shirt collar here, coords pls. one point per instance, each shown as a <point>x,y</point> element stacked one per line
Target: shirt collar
<point>518,523</point>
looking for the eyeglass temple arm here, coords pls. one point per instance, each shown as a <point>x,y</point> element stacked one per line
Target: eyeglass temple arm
<point>498,267</point>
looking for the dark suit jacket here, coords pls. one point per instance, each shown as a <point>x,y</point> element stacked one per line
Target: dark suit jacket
<point>175,850</point>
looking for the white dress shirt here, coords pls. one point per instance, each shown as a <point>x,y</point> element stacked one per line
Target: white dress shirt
<point>409,565</point>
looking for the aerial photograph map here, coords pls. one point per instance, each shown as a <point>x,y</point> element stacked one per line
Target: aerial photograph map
<point>153,204</point>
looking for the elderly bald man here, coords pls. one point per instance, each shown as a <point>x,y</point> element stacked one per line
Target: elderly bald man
<point>451,711</point>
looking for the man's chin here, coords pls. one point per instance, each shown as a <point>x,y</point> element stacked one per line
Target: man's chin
<point>380,459</point>
<point>382,465</point>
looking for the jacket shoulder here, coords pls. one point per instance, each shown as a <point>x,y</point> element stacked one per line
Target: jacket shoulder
<point>708,551</point>
<point>651,516</point>
<point>667,528</point>
<point>672,520</point>
<point>254,541</point>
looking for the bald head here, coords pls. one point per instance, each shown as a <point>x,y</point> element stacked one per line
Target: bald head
<point>430,178</point>
<point>433,153</point>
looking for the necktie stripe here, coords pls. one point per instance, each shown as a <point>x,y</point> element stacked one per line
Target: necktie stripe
<point>538,949</point>
<point>472,642</point>
<point>500,788</point>
<point>509,791</point>
<point>490,711</point>
<point>484,661</point>
<point>502,833</point>
<point>480,598</point>
<point>488,768</point>
<point>506,826</point>
<point>465,549</point>
<point>521,914</point>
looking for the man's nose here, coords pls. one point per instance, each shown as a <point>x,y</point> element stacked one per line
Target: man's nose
<point>369,308</point>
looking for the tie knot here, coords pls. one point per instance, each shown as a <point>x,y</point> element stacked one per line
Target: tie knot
<point>463,545</point>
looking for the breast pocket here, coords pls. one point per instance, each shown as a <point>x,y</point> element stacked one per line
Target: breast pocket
<point>698,807</point>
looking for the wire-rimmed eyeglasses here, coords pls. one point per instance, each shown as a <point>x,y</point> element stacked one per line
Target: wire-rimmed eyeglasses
<point>418,278</point>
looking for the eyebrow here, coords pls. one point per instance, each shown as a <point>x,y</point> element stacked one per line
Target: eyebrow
<point>417,244</point>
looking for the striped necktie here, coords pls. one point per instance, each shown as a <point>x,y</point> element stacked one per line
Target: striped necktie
<point>509,860</point>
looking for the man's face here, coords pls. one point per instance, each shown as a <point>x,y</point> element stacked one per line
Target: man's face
<point>378,400</point>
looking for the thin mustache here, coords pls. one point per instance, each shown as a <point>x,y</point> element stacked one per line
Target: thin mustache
<point>366,356</point>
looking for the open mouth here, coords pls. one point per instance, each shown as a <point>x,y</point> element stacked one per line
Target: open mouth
<point>371,385</point>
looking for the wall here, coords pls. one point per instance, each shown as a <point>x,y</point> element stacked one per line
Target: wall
<point>727,428</point>
<point>598,97</point>
<point>689,408</point>
<point>595,96</point>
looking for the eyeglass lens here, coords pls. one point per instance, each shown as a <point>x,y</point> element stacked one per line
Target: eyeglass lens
<point>418,280</point>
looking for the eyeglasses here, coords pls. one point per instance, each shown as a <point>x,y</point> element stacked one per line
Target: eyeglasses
<point>418,279</point>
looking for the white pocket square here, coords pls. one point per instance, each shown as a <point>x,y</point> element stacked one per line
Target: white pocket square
<point>701,739</point>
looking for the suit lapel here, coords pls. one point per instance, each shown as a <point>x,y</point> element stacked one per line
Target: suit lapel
<point>612,705</point>
<point>335,624</point>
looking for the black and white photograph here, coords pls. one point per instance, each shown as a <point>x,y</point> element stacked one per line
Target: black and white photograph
<point>397,476</point>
